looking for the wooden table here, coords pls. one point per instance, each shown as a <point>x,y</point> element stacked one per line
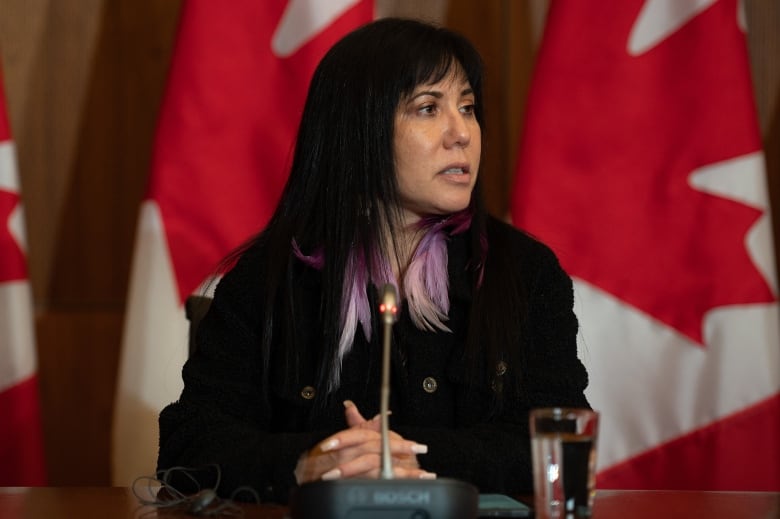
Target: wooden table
<point>647,504</point>
<point>114,502</point>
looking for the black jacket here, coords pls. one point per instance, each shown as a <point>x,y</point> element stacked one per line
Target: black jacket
<point>221,417</point>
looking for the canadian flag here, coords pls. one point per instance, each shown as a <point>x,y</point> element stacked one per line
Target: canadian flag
<point>234,98</point>
<point>641,165</point>
<point>21,435</point>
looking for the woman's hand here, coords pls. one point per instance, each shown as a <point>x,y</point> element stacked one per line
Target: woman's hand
<point>357,452</point>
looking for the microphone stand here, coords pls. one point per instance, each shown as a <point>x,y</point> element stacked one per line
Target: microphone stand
<point>389,311</point>
<point>386,497</point>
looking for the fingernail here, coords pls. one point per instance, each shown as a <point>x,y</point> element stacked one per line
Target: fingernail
<point>349,403</point>
<point>424,475</point>
<point>331,474</point>
<point>419,448</point>
<point>329,445</point>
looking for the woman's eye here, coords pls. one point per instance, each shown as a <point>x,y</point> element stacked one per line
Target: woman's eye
<point>467,109</point>
<point>427,109</point>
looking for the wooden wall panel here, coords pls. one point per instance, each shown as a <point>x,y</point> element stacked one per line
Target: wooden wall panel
<point>76,372</point>
<point>107,174</point>
<point>47,68</point>
<point>763,20</point>
<point>84,80</point>
<point>431,10</point>
<point>502,32</point>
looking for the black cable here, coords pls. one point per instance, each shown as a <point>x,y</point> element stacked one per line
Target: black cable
<point>159,492</point>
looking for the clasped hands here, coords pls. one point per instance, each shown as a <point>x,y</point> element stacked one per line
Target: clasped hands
<point>356,452</point>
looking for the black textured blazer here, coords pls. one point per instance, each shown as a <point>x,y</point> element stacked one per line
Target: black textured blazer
<point>221,417</point>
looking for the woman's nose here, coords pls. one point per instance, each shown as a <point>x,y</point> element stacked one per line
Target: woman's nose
<point>458,132</point>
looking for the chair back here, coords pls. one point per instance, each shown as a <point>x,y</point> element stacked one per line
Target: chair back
<point>195,308</point>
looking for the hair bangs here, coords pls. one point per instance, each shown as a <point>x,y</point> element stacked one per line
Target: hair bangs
<point>435,55</point>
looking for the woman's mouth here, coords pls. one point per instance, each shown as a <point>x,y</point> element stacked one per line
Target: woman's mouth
<point>456,169</point>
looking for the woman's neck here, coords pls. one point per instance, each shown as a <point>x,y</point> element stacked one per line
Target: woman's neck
<point>402,247</point>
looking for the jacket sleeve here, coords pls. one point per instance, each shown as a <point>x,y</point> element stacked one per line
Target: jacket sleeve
<point>223,417</point>
<point>494,453</point>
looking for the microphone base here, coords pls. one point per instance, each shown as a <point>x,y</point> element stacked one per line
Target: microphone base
<point>385,498</point>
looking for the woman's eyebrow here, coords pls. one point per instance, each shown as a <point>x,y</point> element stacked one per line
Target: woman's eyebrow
<point>434,93</point>
<point>438,94</point>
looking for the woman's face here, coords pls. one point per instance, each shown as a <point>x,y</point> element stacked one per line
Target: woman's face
<point>437,146</point>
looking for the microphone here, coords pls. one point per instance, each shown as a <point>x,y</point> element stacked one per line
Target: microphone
<point>386,497</point>
<point>388,309</point>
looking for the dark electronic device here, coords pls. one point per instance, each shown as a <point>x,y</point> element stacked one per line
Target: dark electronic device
<point>500,505</point>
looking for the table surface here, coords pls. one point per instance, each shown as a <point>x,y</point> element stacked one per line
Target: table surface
<point>116,502</point>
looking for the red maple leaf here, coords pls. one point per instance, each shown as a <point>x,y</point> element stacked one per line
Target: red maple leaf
<point>610,142</point>
<point>5,127</point>
<point>12,263</point>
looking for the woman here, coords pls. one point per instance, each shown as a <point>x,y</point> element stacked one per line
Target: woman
<point>384,187</point>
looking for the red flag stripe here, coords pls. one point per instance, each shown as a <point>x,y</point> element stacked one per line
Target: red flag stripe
<point>21,438</point>
<point>5,127</point>
<point>739,452</point>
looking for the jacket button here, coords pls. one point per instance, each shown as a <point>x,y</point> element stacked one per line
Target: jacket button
<point>501,368</point>
<point>430,385</point>
<point>308,392</point>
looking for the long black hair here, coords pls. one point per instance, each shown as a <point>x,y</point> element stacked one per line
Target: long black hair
<point>341,194</point>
